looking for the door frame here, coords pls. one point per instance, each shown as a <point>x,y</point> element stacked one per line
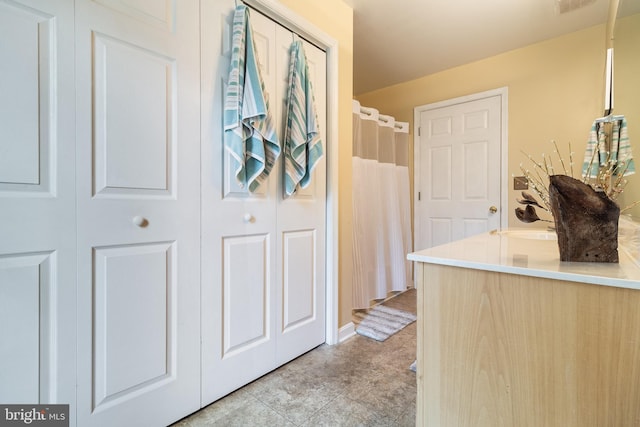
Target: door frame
<point>503,93</point>
<point>310,32</point>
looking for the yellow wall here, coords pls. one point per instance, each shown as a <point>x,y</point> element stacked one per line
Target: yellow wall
<point>336,19</point>
<point>556,90</point>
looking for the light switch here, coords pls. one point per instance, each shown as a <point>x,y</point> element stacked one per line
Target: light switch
<point>520,183</point>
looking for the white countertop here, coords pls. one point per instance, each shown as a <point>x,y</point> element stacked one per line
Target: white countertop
<point>530,253</point>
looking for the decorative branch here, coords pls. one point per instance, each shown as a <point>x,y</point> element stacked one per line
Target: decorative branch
<point>630,206</point>
<point>570,159</point>
<point>610,180</point>
<point>560,157</point>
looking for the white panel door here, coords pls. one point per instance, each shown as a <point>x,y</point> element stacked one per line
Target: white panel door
<point>300,264</point>
<point>458,171</point>
<point>137,71</point>
<point>238,228</point>
<point>37,203</point>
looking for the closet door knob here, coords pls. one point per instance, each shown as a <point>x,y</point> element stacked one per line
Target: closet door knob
<point>493,209</point>
<point>140,221</point>
<point>247,218</point>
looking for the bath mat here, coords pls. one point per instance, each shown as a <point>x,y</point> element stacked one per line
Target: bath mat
<point>381,322</point>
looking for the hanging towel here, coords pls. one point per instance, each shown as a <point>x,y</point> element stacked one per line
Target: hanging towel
<point>249,133</point>
<point>621,149</point>
<point>597,156</point>
<point>302,143</point>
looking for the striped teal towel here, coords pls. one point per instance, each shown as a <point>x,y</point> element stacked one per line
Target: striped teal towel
<point>302,143</point>
<point>249,132</point>
<point>619,155</point>
<point>621,149</point>
<point>595,155</point>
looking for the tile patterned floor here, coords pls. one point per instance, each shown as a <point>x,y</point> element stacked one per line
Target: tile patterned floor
<point>360,382</point>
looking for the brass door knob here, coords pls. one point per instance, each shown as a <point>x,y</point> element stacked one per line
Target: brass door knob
<point>493,209</point>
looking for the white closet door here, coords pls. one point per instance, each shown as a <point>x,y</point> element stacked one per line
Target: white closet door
<point>262,258</point>
<point>238,228</point>
<point>301,226</point>
<point>137,72</point>
<point>37,203</point>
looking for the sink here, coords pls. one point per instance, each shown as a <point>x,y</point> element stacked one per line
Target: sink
<point>530,234</point>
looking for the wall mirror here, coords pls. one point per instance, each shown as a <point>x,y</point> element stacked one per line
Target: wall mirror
<point>626,39</point>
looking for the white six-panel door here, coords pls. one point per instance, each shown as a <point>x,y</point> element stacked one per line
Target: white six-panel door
<point>37,203</point>
<point>137,73</point>
<point>262,256</point>
<point>458,170</point>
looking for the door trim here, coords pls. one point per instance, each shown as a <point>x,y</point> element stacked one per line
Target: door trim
<point>309,31</point>
<point>503,93</point>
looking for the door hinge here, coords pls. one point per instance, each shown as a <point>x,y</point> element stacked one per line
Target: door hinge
<point>418,196</point>
<point>419,130</point>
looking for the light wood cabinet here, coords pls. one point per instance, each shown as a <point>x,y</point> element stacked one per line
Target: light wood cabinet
<point>499,349</point>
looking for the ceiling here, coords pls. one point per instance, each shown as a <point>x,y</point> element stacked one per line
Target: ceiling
<point>400,40</point>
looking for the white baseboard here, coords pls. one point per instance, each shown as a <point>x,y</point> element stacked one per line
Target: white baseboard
<point>346,332</point>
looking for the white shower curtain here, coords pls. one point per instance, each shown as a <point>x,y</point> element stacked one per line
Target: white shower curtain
<point>362,252</point>
<point>379,221</point>
<point>372,206</point>
<point>391,222</point>
<point>404,192</point>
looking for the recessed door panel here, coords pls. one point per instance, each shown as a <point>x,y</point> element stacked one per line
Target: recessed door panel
<point>19,346</point>
<point>27,98</point>
<point>28,327</point>
<point>133,153</point>
<point>476,163</point>
<point>440,172</point>
<point>475,226</point>
<point>134,318</point>
<point>299,284</point>
<point>440,126</point>
<point>439,231</point>
<point>247,306</point>
<point>475,120</point>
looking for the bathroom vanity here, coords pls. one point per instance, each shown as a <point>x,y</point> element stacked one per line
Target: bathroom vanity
<point>510,336</point>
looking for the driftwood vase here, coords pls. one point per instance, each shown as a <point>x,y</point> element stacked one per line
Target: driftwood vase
<point>586,221</point>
